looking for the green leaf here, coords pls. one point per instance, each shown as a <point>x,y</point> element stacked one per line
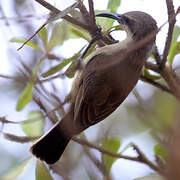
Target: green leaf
<point>175,46</point>
<point>113,5</point>
<point>176,34</point>
<point>42,173</point>
<point>25,97</point>
<point>15,172</point>
<point>150,76</point>
<point>115,28</point>
<point>77,32</point>
<point>57,68</point>
<point>77,15</point>
<point>175,49</point>
<point>59,35</point>
<point>29,43</point>
<point>43,34</point>
<point>112,145</point>
<point>105,23</point>
<point>35,124</point>
<point>160,151</point>
<point>71,74</point>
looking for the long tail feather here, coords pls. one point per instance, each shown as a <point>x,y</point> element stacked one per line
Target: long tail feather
<point>51,146</point>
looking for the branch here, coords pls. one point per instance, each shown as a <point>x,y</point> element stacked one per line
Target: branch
<point>83,11</point>
<point>91,12</point>
<point>157,56</point>
<point>14,78</point>
<point>152,67</point>
<point>156,84</point>
<point>171,21</point>
<point>141,157</point>
<point>67,18</point>
<point>167,75</point>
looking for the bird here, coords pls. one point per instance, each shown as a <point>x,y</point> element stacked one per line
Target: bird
<point>97,91</point>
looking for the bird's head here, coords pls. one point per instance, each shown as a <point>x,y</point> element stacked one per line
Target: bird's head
<point>137,24</point>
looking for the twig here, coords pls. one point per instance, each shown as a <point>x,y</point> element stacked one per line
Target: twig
<point>171,81</point>
<point>172,21</point>
<point>141,158</point>
<point>156,84</point>
<point>152,67</point>
<point>91,12</point>
<point>14,78</point>
<point>31,37</point>
<point>19,139</point>
<point>52,18</point>
<point>91,156</point>
<point>157,56</point>
<point>67,18</point>
<point>22,18</point>
<point>83,11</point>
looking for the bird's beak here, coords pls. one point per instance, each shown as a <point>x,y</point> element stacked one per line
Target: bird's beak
<point>110,15</point>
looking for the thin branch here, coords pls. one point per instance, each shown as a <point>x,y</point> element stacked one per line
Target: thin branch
<point>96,162</point>
<point>14,78</point>
<point>171,81</point>
<point>83,11</point>
<point>156,84</point>
<point>91,12</point>
<point>19,139</point>
<point>141,158</point>
<point>67,18</point>
<point>157,55</point>
<point>31,37</point>
<point>172,21</point>
<point>52,18</point>
<point>152,67</point>
<point>22,18</point>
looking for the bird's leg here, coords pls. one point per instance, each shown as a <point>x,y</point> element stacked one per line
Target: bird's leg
<point>97,35</point>
<point>115,41</point>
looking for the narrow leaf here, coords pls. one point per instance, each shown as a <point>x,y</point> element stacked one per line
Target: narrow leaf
<point>174,45</point>
<point>105,23</point>
<point>111,145</point>
<point>42,173</point>
<point>113,5</point>
<point>71,74</point>
<point>59,35</point>
<point>25,97</point>
<point>151,76</point>
<point>115,28</point>
<point>15,172</point>
<point>57,68</point>
<point>161,152</point>
<point>43,34</point>
<point>176,34</point>
<point>29,43</point>
<point>77,15</point>
<point>175,49</point>
<point>77,32</point>
<point>36,127</point>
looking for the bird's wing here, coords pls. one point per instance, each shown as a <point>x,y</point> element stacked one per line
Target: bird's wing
<point>96,99</point>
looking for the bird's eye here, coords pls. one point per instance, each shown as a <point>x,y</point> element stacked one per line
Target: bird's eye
<point>125,20</point>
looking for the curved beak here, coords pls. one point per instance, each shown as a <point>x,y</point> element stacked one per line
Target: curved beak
<point>110,15</point>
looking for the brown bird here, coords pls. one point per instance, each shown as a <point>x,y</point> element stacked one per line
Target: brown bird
<point>97,91</point>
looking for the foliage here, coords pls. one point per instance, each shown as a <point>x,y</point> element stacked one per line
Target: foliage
<point>157,113</point>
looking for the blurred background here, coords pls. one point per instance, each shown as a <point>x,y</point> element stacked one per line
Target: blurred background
<point>143,119</point>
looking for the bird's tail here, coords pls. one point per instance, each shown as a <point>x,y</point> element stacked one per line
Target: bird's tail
<point>51,146</point>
